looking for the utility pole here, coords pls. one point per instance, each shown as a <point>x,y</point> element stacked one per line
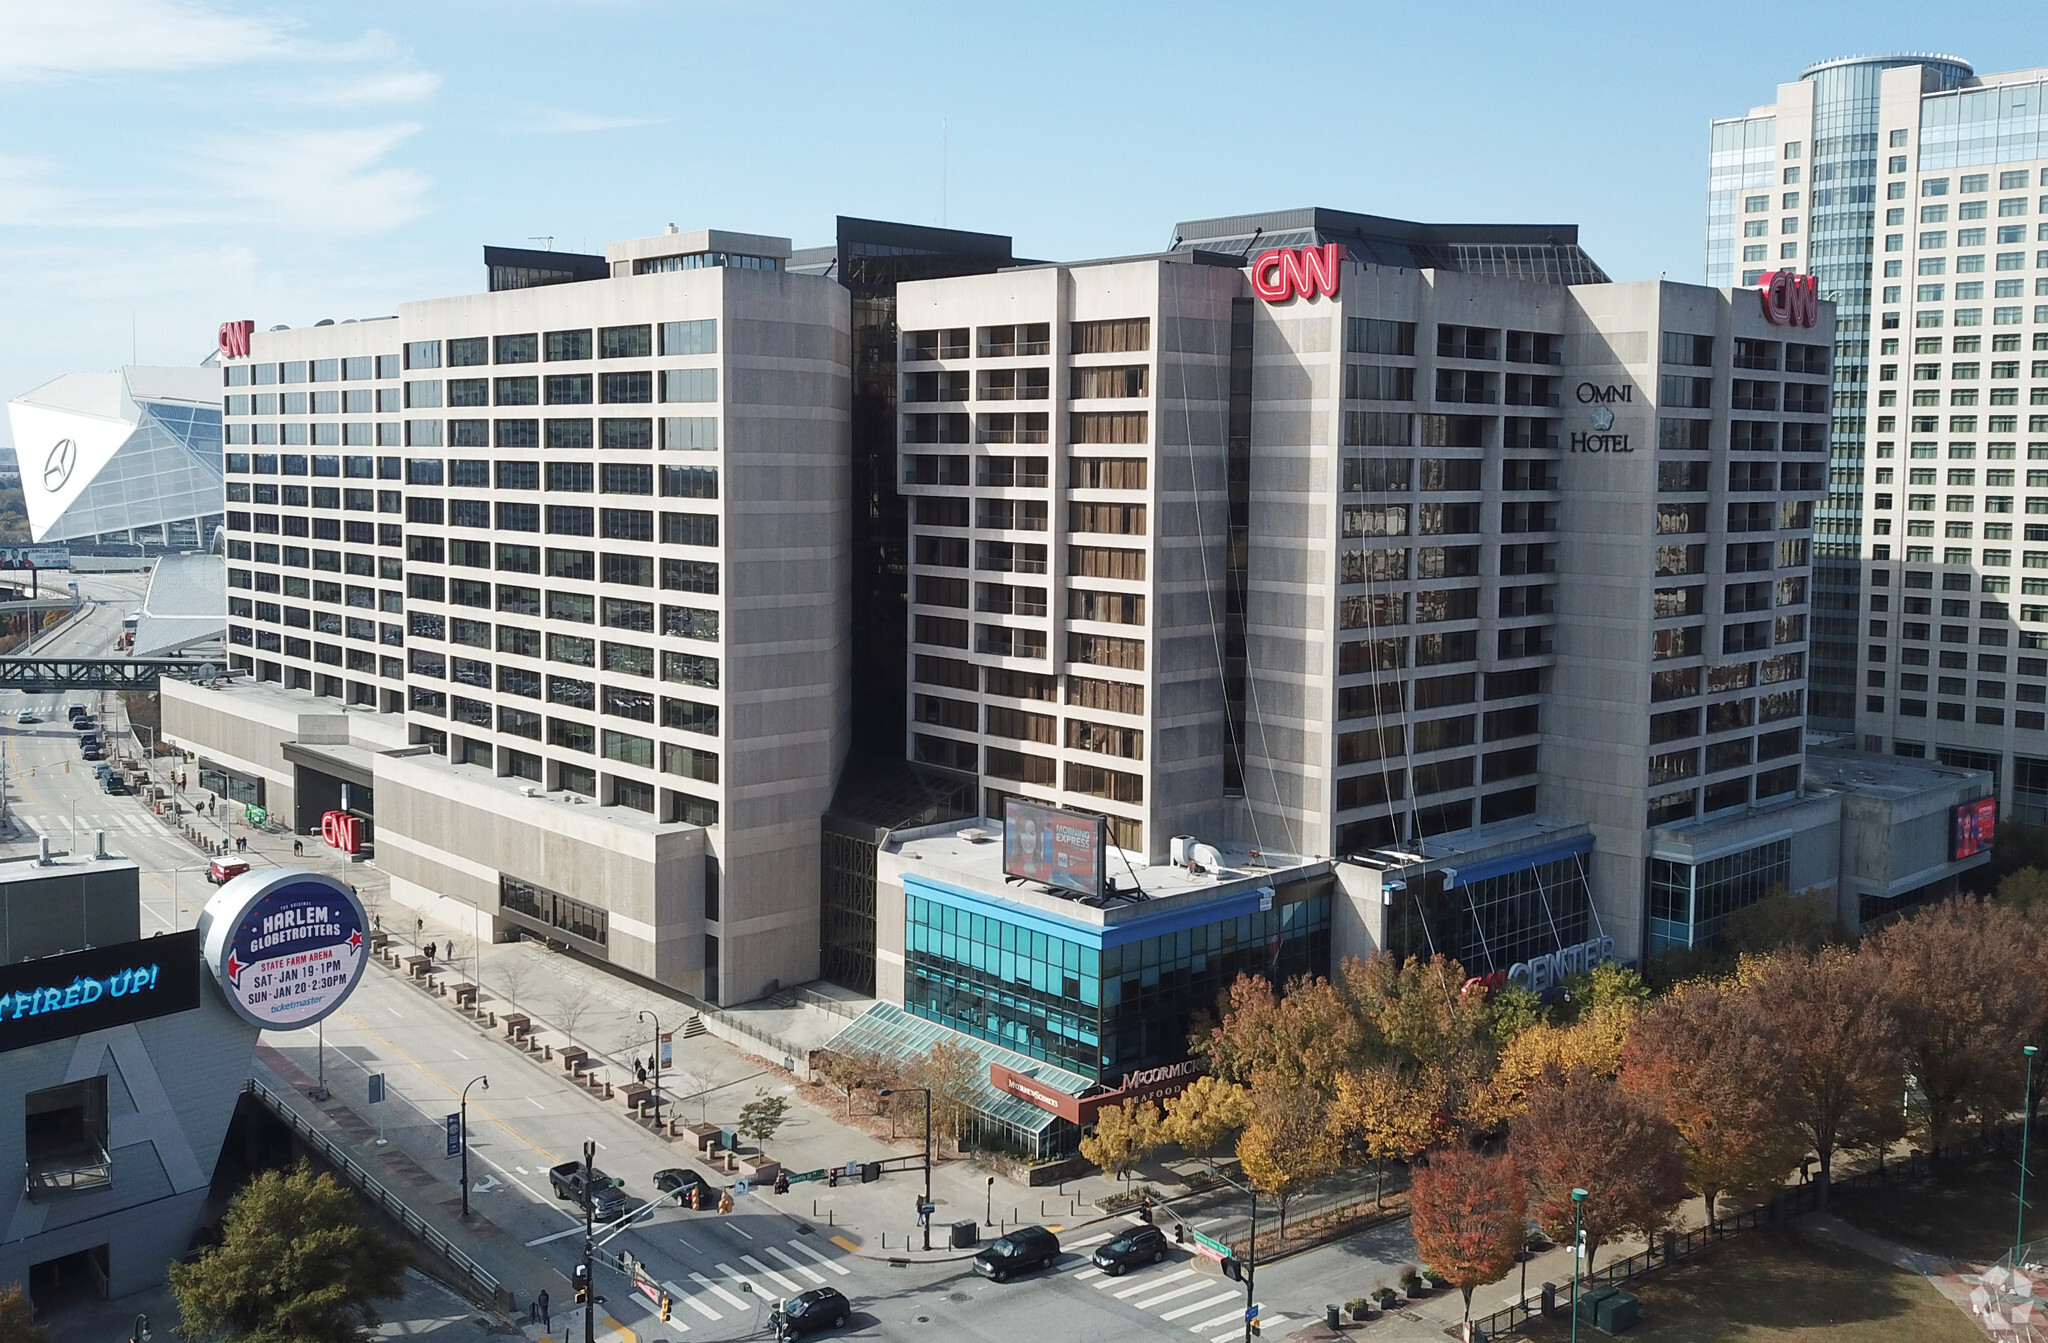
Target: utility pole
<point>1251,1264</point>
<point>590,1286</point>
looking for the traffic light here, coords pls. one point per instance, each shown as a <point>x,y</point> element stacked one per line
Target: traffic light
<point>582,1281</point>
<point>664,1307</point>
<point>1233,1270</point>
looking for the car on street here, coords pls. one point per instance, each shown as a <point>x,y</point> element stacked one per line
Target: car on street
<point>112,784</point>
<point>74,712</point>
<point>221,871</point>
<point>1144,1245</point>
<point>608,1201</point>
<point>27,716</point>
<point>87,725</point>
<point>1022,1250</point>
<point>95,753</point>
<point>677,1181</point>
<point>809,1312</point>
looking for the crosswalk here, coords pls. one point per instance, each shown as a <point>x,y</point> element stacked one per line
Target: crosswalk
<point>1184,1296</point>
<point>796,1267</point>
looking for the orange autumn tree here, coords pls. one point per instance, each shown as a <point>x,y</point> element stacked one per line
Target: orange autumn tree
<point>1468,1217</point>
<point>1389,1113</point>
<point>1705,1057</point>
<point>1581,1130</point>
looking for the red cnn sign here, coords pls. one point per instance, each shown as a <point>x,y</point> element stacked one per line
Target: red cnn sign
<point>342,831</point>
<point>1789,299</point>
<point>234,339</point>
<point>1298,272</point>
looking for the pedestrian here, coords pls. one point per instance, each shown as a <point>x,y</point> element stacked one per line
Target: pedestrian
<point>298,848</point>
<point>533,1312</point>
<point>430,951</point>
<point>546,1321</point>
<point>639,1071</point>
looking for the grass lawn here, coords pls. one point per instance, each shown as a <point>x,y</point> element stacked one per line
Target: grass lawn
<point>1965,1212</point>
<point>1769,1286</point>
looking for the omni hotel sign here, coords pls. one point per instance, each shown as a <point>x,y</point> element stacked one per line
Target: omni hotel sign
<point>1146,1084</point>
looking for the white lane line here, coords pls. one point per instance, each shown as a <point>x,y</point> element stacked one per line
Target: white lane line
<point>1203,1305</point>
<point>741,1278</point>
<point>790,1284</point>
<point>522,1170</point>
<point>788,1262</point>
<point>719,1292</point>
<point>678,1294</point>
<point>693,1249</point>
<point>1091,1240</point>
<point>1165,1297</point>
<point>459,1054</point>
<point>1206,1325</point>
<point>1206,1221</point>
<point>559,1235</point>
<point>1089,1273</point>
<point>396,1013</point>
<point>1154,1284</point>
<point>535,1104</point>
<point>809,1253</point>
<point>742,1233</point>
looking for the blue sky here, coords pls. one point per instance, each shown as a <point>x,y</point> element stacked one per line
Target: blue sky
<point>169,164</point>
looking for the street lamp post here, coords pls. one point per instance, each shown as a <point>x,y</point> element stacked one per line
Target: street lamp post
<point>646,1015</point>
<point>1578,1250</point>
<point>462,1129</point>
<point>924,1215</point>
<point>2019,1235</point>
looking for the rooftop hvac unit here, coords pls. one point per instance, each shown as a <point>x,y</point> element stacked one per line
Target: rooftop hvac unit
<point>1204,856</point>
<point>1178,849</point>
<point>974,834</point>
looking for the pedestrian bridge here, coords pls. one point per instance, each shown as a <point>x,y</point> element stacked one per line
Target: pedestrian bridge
<point>57,675</point>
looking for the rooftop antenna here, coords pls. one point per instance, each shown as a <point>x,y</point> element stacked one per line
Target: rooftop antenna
<point>945,168</point>
<point>547,244</point>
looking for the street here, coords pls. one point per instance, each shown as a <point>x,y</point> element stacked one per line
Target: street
<point>721,1273</point>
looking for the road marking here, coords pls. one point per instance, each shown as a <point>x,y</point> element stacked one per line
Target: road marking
<point>1202,1305</point>
<point>535,1104</point>
<point>576,1230</point>
<point>1089,1273</point>
<point>459,1054</point>
<point>1206,1221</point>
<point>809,1253</point>
<point>1165,1297</point>
<point>788,1283</point>
<point>693,1249</point>
<point>396,1013</point>
<point>1206,1325</point>
<point>1078,1244</point>
<point>720,1292</point>
<point>522,1170</point>
<point>791,1263</point>
<point>678,1294</point>
<point>621,1330</point>
<point>743,1233</point>
<point>1154,1284</point>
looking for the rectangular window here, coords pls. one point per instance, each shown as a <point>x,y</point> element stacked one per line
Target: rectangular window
<point>625,342</point>
<point>699,337</point>
<point>689,384</point>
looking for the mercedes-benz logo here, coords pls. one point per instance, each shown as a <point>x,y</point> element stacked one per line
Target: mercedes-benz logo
<point>1603,419</point>
<point>57,466</point>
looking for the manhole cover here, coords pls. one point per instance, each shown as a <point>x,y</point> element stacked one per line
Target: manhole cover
<point>924,1319</point>
<point>958,1296</point>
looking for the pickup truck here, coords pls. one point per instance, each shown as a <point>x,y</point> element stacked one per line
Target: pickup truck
<point>607,1200</point>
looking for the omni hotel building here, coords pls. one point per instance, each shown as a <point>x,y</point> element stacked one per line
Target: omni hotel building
<point>1379,584</point>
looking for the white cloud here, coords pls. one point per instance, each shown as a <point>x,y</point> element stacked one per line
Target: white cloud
<point>325,182</point>
<point>44,40</point>
<point>551,121</point>
<point>391,86</point>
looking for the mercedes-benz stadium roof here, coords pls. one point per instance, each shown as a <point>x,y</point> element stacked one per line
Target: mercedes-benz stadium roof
<point>127,457</point>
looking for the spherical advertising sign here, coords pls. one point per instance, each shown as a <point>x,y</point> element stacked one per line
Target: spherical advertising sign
<point>285,945</point>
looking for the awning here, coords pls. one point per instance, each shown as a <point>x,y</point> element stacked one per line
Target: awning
<point>1518,861</point>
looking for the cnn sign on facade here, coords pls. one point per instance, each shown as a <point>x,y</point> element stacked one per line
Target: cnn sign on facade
<point>1298,272</point>
<point>1789,299</point>
<point>234,339</point>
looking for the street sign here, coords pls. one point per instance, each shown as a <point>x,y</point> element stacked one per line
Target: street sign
<point>798,1177</point>
<point>376,1088</point>
<point>668,1049</point>
<point>454,1122</point>
<point>1210,1244</point>
<point>1251,1313</point>
<point>739,1187</point>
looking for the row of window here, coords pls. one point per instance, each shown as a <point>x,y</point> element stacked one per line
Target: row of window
<point>1726,795</point>
<point>683,668</point>
<point>684,622</point>
<point>688,434</point>
<point>613,342</point>
<point>1016,724</point>
<point>1123,335</point>
<point>355,368</point>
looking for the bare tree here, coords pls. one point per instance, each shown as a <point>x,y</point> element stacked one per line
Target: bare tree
<point>513,974</point>
<point>573,1003</point>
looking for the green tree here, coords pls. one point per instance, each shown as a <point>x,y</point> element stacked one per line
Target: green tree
<point>1123,1135</point>
<point>293,1266</point>
<point>1804,921</point>
<point>2025,890</point>
<point>761,1116</point>
<point>1207,1115</point>
<point>18,1317</point>
<point>1289,1143</point>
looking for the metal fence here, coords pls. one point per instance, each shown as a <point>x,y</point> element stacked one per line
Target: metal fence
<point>1790,1202</point>
<point>371,1188</point>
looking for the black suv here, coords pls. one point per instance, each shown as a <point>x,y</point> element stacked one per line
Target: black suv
<point>808,1312</point>
<point>680,1182</point>
<point>1145,1245</point>
<point>1024,1249</point>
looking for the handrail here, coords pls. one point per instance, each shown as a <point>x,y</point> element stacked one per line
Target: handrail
<point>369,1186</point>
